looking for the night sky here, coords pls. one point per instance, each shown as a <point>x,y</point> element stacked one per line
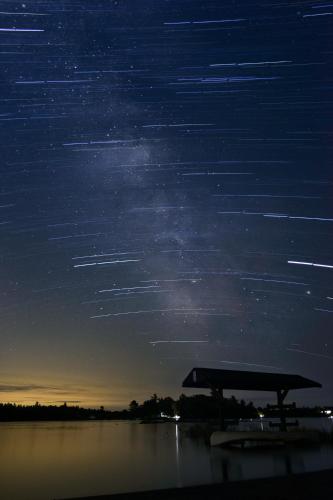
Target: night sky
<point>166,195</point>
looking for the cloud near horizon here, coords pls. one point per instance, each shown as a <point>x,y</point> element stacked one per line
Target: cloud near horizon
<point>23,387</point>
<point>32,387</point>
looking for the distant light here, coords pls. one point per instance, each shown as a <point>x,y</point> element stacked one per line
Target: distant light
<point>328,412</point>
<point>164,415</point>
<point>261,415</point>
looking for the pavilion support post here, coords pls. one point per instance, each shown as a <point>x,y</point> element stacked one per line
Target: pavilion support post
<point>281,395</point>
<point>220,398</point>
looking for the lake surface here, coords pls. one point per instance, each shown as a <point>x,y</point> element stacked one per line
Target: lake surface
<point>52,460</point>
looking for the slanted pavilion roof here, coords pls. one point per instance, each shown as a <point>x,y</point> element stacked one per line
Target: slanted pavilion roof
<point>206,378</point>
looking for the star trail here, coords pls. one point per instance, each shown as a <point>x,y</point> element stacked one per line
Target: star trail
<point>166,194</point>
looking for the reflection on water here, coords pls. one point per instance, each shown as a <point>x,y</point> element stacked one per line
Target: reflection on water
<point>41,461</point>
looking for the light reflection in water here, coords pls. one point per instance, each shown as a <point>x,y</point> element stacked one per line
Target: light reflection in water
<point>56,460</point>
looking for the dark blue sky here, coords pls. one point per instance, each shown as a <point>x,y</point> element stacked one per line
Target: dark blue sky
<point>166,195</point>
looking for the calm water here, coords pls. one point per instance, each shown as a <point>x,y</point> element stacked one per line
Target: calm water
<point>47,460</point>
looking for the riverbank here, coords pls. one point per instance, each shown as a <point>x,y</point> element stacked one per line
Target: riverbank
<point>307,486</point>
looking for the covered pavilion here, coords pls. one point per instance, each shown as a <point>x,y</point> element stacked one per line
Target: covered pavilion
<point>220,380</point>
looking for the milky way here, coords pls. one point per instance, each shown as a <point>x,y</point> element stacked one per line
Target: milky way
<point>166,194</point>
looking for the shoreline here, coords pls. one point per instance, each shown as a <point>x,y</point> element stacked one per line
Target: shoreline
<point>152,421</point>
<point>305,486</point>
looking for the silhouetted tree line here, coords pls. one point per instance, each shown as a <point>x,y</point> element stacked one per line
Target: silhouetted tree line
<point>196,407</point>
<point>13,412</point>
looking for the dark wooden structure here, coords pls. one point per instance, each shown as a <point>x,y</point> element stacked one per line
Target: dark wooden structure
<point>219,380</point>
